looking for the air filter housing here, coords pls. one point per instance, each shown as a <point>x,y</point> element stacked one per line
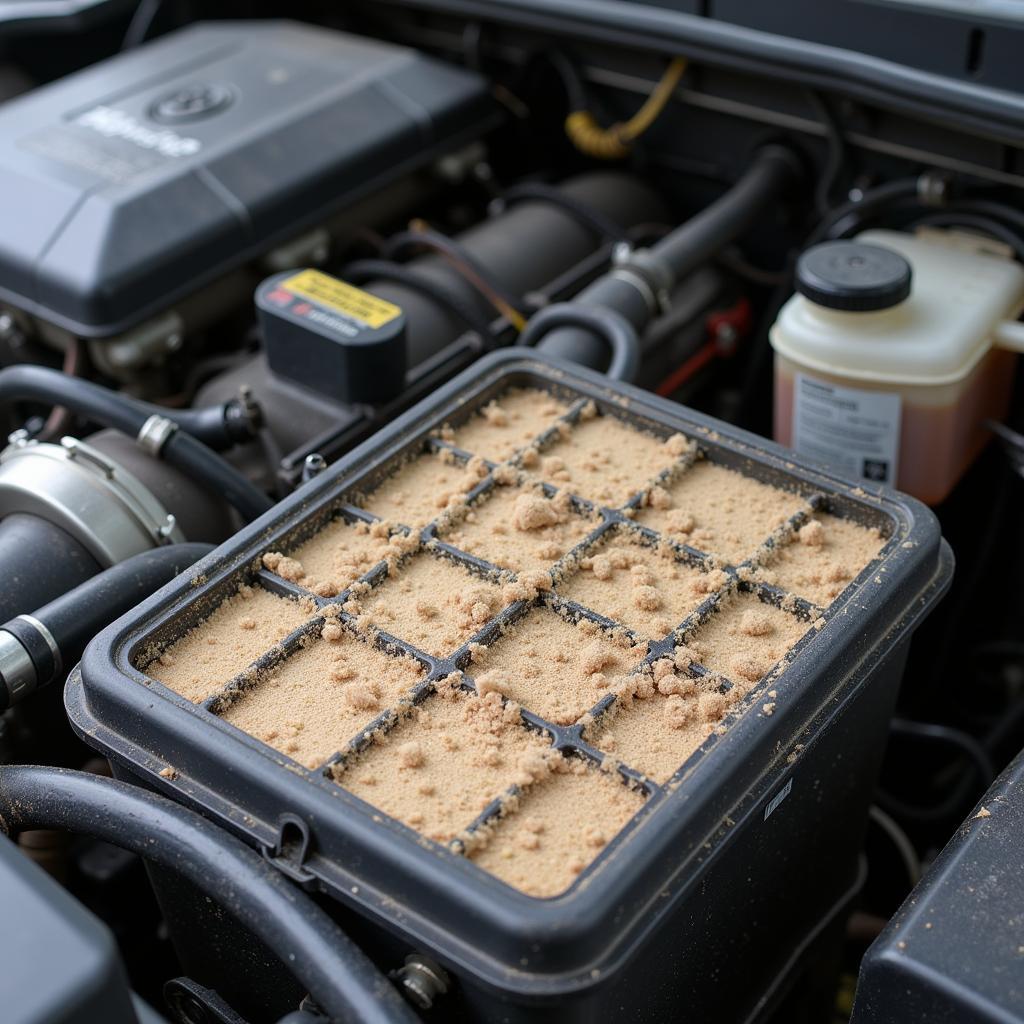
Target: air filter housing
<point>124,186</point>
<point>545,682</point>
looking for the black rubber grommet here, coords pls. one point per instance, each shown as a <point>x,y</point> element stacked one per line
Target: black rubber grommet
<point>853,276</point>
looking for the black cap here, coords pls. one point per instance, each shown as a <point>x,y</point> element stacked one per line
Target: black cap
<point>853,276</point>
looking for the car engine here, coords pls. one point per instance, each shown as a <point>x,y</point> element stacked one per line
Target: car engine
<point>507,512</point>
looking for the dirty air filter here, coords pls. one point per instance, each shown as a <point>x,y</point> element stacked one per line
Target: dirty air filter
<point>141,178</point>
<point>557,682</point>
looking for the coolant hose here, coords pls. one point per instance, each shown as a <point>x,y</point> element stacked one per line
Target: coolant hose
<point>614,328</point>
<point>773,171</point>
<point>337,974</point>
<point>36,650</point>
<point>176,446</point>
<point>635,286</point>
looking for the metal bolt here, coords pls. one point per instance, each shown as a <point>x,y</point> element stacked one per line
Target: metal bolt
<point>19,438</point>
<point>164,531</point>
<point>621,252</point>
<point>422,980</point>
<point>313,465</point>
<point>6,324</point>
<point>174,341</point>
<point>933,188</point>
<point>726,336</point>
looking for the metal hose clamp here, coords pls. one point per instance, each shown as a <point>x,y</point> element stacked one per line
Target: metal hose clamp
<point>81,490</point>
<point>154,434</point>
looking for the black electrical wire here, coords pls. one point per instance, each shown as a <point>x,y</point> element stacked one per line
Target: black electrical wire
<point>900,841</point>
<point>363,271</point>
<point>991,208</point>
<point>838,152</point>
<point>613,328</point>
<point>575,92</point>
<point>338,975</point>
<point>141,23</point>
<point>966,743</point>
<point>967,787</point>
<point>111,409</point>
<point>846,218</point>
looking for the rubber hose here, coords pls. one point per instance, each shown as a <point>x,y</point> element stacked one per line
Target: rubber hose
<point>774,170</point>
<point>54,636</point>
<point>338,975</point>
<point>194,459</point>
<point>111,409</point>
<point>682,251</point>
<point>614,328</point>
<point>74,618</point>
<point>844,220</point>
<point>39,560</point>
<point>219,426</point>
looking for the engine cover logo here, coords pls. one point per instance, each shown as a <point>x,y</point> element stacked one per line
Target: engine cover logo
<point>116,124</point>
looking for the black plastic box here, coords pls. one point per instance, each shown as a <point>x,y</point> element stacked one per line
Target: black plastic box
<point>715,891</point>
<point>327,335</point>
<point>60,964</point>
<point>954,952</point>
<point>144,177</point>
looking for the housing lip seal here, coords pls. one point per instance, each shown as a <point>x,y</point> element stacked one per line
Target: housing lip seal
<point>475,923</point>
<point>78,488</point>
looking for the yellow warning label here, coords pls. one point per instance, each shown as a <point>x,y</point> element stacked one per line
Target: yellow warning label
<point>343,298</point>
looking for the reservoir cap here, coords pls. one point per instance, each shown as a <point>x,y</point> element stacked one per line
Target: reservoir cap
<point>853,276</point>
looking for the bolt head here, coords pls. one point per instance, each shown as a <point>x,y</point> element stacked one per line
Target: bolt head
<point>621,252</point>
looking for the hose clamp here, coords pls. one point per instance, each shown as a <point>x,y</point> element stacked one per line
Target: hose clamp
<point>47,638</point>
<point>647,273</point>
<point>17,673</point>
<point>78,488</point>
<point>155,433</point>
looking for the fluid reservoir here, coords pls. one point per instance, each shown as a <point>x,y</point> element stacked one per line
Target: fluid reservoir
<point>894,351</point>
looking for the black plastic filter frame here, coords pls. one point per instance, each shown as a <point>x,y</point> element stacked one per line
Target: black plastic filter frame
<point>429,895</point>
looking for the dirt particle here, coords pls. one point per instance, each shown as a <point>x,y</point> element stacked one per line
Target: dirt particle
<point>410,755</point>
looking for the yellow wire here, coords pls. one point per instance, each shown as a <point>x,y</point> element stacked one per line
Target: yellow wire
<point>613,143</point>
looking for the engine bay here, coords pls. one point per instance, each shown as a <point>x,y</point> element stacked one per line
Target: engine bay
<point>479,512</point>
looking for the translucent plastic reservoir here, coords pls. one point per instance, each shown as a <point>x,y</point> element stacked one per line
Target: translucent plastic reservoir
<point>900,395</point>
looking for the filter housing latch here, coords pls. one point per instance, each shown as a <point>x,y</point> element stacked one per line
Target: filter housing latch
<point>289,852</point>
